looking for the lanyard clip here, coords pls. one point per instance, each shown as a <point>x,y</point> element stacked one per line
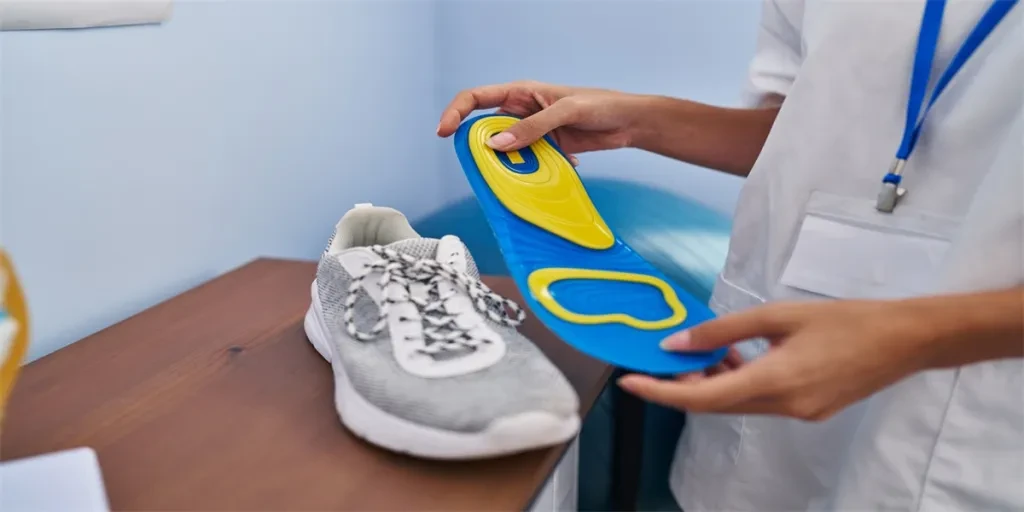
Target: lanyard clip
<point>891,192</point>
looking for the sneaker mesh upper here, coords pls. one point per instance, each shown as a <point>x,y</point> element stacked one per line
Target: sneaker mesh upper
<point>523,381</point>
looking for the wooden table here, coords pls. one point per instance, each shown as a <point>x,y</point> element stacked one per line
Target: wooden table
<point>215,400</point>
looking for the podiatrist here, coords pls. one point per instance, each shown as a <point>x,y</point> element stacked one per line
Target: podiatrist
<point>873,288</point>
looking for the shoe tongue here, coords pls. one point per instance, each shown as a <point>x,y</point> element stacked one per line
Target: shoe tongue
<point>418,248</point>
<point>452,251</point>
<point>449,249</point>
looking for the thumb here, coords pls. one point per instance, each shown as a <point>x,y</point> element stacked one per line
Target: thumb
<point>531,129</point>
<point>765,321</point>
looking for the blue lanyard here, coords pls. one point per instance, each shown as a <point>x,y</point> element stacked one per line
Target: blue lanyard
<point>927,41</point>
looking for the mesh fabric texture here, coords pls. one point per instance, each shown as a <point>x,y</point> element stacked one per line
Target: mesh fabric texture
<point>523,381</point>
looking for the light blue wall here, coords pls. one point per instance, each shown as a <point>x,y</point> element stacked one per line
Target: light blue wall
<point>696,49</point>
<point>138,162</point>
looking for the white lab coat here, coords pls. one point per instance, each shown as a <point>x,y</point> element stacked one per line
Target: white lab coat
<point>806,228</point>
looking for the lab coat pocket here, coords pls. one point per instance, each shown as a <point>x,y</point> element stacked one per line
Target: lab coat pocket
<point>846,249</point>
<point>711,442</point>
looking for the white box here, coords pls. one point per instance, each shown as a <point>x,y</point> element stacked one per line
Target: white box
<point>559,494</point>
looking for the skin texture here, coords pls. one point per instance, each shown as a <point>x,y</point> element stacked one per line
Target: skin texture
<point>824,355</point>
<point>827,355</point>
<point>583,119</point>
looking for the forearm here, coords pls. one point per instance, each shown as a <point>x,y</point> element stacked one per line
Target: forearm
<point>724,139</point>
<point>972,328</point>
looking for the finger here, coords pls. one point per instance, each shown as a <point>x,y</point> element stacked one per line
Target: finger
<point>718,368</point>
<point>467,101</point>
<point>711,371</point>
<point>574,161</point>
<point>758,405</point>
<point>690,377</point>
<point>765,321</point>
<point>753,382</point>
<point>733,359</point>
<point>529,130</point>
<point>540,99</point>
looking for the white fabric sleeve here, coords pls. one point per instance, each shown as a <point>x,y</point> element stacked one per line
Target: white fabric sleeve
<point>779,52</point>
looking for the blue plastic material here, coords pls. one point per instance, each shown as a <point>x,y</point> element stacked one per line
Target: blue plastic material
<point>681,237</point>
<point>527,248</point>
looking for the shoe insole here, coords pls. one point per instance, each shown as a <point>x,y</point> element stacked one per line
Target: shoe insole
<point>582,282</point>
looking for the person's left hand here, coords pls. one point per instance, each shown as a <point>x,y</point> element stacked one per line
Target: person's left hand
<point>824,356</point>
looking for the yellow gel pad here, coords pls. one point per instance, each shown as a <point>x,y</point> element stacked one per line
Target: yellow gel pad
<point>548,194</point>
<point>540,282</point>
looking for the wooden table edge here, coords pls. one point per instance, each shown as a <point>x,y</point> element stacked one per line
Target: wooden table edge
<point>589,397</point>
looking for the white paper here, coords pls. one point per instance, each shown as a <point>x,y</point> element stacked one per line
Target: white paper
<point>65,14</point>
<point>55,482</point>
<point>844,261</point>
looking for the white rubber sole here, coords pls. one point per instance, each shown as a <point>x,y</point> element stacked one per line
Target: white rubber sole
<point>507,435</point>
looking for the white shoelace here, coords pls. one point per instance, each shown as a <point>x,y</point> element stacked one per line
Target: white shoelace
<point>440,331</point>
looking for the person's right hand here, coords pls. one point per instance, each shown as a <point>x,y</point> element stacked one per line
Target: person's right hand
<point>579,119</point>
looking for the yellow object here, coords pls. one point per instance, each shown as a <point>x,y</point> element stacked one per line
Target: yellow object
<point>551,198</point>
<point>541,280</point>
<point>13,330</point>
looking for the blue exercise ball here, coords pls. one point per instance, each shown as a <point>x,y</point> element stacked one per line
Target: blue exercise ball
<point>680,237</point>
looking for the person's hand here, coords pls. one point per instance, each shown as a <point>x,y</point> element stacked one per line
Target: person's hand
<point>824,356</point>
<point>579,119</point>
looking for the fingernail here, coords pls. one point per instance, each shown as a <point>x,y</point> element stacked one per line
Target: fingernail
<point>574,161</point>
<point>501,140</point>
<point>626,383</point>
<point>438,129</point>
<point>678,341</point>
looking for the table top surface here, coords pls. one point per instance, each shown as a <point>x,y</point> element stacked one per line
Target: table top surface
<point>215,400</point>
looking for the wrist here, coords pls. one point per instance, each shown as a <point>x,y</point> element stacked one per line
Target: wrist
<point>724,139</point>
<point>964,329</point>
<point>649,118</point>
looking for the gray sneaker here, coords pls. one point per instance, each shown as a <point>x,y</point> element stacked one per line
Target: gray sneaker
<point>426,358</point>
